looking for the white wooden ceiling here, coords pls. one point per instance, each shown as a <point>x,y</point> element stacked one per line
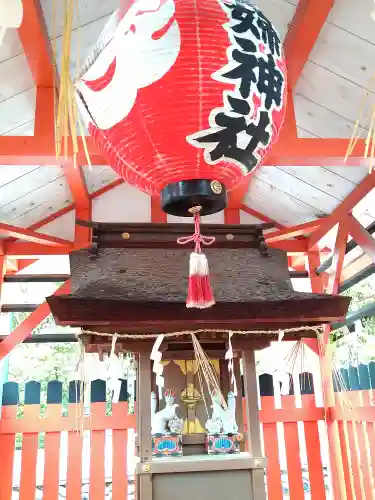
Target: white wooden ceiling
<point>327,99</point>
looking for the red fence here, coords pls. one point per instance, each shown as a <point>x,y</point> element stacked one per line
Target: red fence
<point>53,424</point>
<point>354,416</point>
<point>292,422</point>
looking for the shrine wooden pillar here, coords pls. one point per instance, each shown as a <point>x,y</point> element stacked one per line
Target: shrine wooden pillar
<point>144,482</point>
<point>252,421</point>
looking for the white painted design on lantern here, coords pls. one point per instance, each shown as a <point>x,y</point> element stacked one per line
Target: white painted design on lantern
<point>140,60</point>
<point>253,116</point>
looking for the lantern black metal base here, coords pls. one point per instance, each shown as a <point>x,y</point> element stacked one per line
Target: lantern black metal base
<point>177,198</point>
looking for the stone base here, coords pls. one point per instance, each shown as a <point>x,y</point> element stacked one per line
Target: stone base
<point>222,444</point>
<point>166,445</point>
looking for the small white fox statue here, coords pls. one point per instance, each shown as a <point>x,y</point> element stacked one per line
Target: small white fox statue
<point>160,419</point>
<point>223,420</point>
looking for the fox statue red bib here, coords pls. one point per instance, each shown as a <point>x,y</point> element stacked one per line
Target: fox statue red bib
<point>184,98</point>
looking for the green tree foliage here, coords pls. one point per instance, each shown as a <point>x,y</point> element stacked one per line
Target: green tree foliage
<point>358,346</point>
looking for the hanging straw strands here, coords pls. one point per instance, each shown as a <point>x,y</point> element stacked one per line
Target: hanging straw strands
<point>66,113</point>
<point>329,369</point>
<point>364,123</point>
<point>206,371</point>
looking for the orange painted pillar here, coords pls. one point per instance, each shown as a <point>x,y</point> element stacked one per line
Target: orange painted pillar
<point>335,449</point>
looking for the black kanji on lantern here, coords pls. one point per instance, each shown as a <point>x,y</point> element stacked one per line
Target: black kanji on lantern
<point>241,130</point>
<point>235,132</point>
<point>245,71</point>
<point>270,81</point>
<point>252,19</point>
<point>259,70</point>
<point>269,34</point>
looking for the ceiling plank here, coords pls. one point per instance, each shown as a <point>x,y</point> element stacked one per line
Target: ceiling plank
<point>68,209</point>
<point>356,267</point>
<point>260,216</point>
<point>307,23</point>
<point>343,209</point>
<point>34,39</point>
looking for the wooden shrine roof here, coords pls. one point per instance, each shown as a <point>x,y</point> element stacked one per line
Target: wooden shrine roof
<point>44,196</point>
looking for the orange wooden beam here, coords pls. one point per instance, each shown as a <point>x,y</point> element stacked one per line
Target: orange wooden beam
<point>45,115</point>
<point>157,214</point>
<point>292,232</point>
<point>35,42</point>
<point>77,184</point>
<point>317,286</point>
<point>232,216</point>
<point>24,330</point>
<point>288,133</point>
<point>338,258</point>
<point>237,196</point>
<point>82,202</point>
<point>313,262</point>
<point>21,249</point>
<point>288,152</point>
<point>2,272</point>
<point>32,236</point>
<point>363,238</point>
<point>291,246</point>
<point>343,209</point>
<point>36,150</point>
<point>313,151</point>
<point>304,30</point>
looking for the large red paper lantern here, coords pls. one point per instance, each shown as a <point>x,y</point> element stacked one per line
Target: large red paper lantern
<point>186,97</point>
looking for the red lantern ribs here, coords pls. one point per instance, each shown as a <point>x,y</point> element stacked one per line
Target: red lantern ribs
<point>186,98</point>
<point>134,280</point>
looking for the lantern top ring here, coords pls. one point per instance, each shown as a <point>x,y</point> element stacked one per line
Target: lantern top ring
<point>181,198</point>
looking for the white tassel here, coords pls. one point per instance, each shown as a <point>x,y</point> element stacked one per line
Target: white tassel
<point>199,292</point>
